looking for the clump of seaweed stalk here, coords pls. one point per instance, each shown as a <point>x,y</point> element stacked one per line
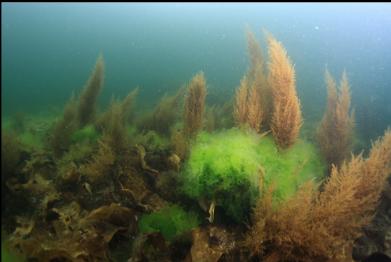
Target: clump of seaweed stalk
<point>180,145</point>
<point>255,112</point>
<point>88,98</point>
<point>195,105</point>
<point>60,138</point>
<point>257,76</point>
<point>336,128</point>
<point>250,105</point>
<point>124,109</point>
<point>127,105</point>
<point>11,152</point>
<point>114,131</point>
<point>101,165</point>
<point>241,108</point>
<point>322,226</point>
<point>77,112</point>
<point>287,119</point>
<point>164,115</point>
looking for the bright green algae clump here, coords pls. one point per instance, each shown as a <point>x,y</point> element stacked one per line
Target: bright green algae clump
<point>226,167</point>
<point>8,256</point>
<point>170,221</point>
<point>288,169</point>
<point>87,133</point>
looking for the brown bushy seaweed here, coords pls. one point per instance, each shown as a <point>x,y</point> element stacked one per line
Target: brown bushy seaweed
<point>102,162</point>
<point>84,204</point>
<point>255,112</point>
<point>11,159</point>
<point>257,78</point>
<point>255,54</point>
<point>11,152</point>
<point>336,128</point>
<point>180,144</point>
<point>165,114</point>
<point>322,226</point>
<point>286,120</point>
<point>195,105</point>
<point>219,117</point>
<point>88,98</point>
<point>60,136</point>
<point>114,131</point>
<point>120,110</point>
<point>75,235</point>
<point>251,103</point>
<point>78,111</point>
<point>127,105</point>
<point>241,108</point>
<point>248,108</point>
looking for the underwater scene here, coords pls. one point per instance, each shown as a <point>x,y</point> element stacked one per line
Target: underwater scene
<point>197,132</point>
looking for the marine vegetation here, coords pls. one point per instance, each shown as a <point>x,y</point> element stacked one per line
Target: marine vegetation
<point>272,99</point>
<point>78,112</point>
<point>87,101</point>
<point>317,225</point>
<point>221,164</point>
<point>336,128</point>
<point>251,100</point>
<point>227,169</point>
<point>286,120</point>
<point>62,130</point>
<point>8,256</point>
<point>165,114</point>
<point>87,133</point>
<point>171,221</point>
<point>181,183</point>
<point>195,105</point>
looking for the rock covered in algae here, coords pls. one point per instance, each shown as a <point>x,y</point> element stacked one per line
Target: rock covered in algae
<point>210,244</point>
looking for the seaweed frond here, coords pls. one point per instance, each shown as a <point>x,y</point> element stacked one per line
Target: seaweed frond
<point>114,131</point>
<point>60,137</point>
<point>322,226</point>
<point>195,105</point>
<point>88,98</point>
<point>336,128</point>
<point>127,105</point>
<point>251,99</point>
<point>241,108</point>
<point>165,114</point>
<point>287,118</point>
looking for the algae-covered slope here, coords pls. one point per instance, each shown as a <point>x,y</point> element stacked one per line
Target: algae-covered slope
<point>110,185</point>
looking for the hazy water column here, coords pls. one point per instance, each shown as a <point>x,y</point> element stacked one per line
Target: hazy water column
<point>48,50</point>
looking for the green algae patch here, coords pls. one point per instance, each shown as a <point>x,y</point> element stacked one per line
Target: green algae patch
<point>224,167</point>
<point>31,141</point>
<point>9,256</point>
<point>290,168</point>
<point>171,221</point>
<point>227,167</point>
<point>87,133</point>
<point>152,140</point>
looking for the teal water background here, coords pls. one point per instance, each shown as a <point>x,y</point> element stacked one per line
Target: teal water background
<point>48,51</point>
